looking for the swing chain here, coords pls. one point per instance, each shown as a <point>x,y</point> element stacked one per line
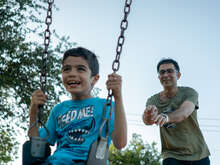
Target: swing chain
<point>45,56</point>
<point>116,62</point>
<point>101,148</point>
<point>47,34</point>
<point>120,43</point>
<point>121,39</point>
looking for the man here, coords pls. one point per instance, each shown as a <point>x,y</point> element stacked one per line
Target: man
<point>175,110</point>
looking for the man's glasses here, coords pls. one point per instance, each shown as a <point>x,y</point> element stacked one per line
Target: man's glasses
<point>168,71</point>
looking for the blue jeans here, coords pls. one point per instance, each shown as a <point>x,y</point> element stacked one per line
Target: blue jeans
<point>75,162</point>
<point>79,162</point>
<point>172,161</point>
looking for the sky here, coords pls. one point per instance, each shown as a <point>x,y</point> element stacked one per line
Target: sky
<point>185,30</point>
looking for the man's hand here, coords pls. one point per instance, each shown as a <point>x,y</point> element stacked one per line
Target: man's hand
<point>161,119</point>
<point>150,114</point>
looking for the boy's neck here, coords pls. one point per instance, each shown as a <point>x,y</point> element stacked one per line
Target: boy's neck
<point>78,98</point>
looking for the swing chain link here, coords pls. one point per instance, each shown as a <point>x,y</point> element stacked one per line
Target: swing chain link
<point>121,38</point>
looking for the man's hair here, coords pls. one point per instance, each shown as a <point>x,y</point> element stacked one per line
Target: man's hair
<point>168,61</point>
<point>86,54</point>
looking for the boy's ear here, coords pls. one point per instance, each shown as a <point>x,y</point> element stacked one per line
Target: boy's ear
<point>95,79</point>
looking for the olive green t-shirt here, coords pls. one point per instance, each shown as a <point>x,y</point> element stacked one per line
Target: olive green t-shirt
<point>183,141</point>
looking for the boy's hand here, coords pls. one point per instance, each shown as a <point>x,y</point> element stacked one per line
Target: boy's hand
<point>150,114</point>
<point>114,83</point>
<point>38,98</point>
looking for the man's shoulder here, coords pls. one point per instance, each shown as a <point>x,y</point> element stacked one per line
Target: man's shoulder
<point>154,98</point>
<point>154,95</point>
<point>187,89</point>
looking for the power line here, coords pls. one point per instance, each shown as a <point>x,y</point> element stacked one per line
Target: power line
<point>209,130</point>
<point>137,123</point>
<point>218,119</point>
<point>206,128</point>
<point>135,120</point>
<point>200,118</point>
<point>218,126</point>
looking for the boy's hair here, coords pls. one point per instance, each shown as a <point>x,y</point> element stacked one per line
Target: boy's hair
<point>90,57</point>
<point>168,61</point>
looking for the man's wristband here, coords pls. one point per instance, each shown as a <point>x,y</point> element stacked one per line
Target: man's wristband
<point>166,116</point>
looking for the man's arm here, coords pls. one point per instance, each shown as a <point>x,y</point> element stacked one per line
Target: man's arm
<point>180,114</point>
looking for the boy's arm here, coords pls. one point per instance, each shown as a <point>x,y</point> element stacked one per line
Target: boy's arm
<point>119,135</point>
<point>33,128</point>
<point>38,98</point>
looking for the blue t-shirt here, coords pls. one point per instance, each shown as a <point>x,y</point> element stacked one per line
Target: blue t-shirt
<point>74,126</point>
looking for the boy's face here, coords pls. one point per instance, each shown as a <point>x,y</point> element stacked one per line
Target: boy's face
<point>76,77</point>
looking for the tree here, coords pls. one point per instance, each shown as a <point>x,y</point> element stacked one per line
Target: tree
<point>20,67</point>
<point>137,153</point>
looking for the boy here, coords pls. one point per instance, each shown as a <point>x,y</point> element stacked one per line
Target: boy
<point>74,124</point>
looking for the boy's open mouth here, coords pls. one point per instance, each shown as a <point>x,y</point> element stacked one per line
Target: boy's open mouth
<point>73,83</point>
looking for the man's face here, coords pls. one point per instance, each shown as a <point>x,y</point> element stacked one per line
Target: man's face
<point>168,75</point>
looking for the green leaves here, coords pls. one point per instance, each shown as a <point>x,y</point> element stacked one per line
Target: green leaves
<point>8,144</point>
<point>20,67</point>
<point>136,153</point>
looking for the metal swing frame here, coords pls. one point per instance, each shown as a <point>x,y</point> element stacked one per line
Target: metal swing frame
<point>36,150</point>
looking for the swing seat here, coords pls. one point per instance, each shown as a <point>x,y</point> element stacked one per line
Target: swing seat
<point>92,159</point>
<point>28,159</point>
